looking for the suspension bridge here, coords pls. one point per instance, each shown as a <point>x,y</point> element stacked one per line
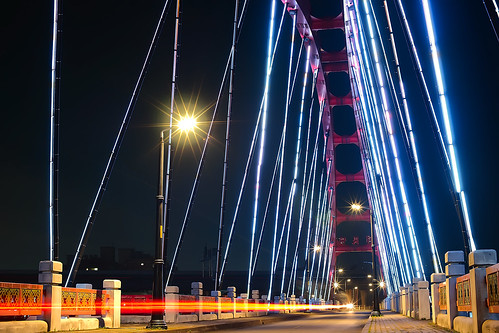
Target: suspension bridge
<point>320,186</point>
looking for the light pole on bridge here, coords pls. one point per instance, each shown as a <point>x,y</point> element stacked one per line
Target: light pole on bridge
<point>157,316</point>
<point>376,312</point>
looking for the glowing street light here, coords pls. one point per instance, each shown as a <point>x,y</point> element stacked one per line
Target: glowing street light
<point>356,207</point>
<point>382,284</point>
<point>336,285</point>
<point>340,270</point>
<point>317,248</point>
<point>185,124</point>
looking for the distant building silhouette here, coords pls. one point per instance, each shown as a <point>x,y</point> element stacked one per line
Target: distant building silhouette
<point>127,259</point>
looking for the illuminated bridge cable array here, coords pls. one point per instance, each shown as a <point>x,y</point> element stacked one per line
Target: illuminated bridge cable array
<point>437,265</point>
<point>367,90</point>
<point>306,170</point>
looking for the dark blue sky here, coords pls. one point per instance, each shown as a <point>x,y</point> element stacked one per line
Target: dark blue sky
<point>103,48</point>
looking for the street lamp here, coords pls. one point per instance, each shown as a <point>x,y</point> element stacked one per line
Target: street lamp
<point>316,248</point>
<point>357,208</point>
<point>157,315</point>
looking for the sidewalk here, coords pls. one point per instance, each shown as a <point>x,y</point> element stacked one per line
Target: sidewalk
<point>206,326</point>
<point>394,322</point>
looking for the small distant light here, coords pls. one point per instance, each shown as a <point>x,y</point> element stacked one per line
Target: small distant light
<point>382,284</point>
<point>340,270</point>
<point>356,287</point>
<point>336,285</point>
<point>349,280</point>
<point>370,290</point>
<point>370,284</point>
<point>350,306</point>
<point>141,264</point>
<point>94,269</point>
<point>317,248</point>
<point>369,276</point>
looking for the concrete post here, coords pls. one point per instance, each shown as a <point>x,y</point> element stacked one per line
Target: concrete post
<point>436,279</point>
<point>408,300</point>
<point>403,306</point>
<point>423,300</point>
<point>197,289</point>
<point>113,289</point>
<point>51,278</point>
<point>255,294</point>
<point>478,261</point>
<point>292,303</point>
<point>231,292</point>
<point>454,267</point>
<point>217,294</point>
<point>415,301</point>
<point>171,304</point>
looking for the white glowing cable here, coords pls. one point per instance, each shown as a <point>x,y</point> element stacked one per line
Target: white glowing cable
<point>365,135</point>
<point>307,246</point>
<point>408,265</point>
<point>274,257</point>
<point>437,266</point>
<point>446,117</point>
<point>297,157</point>
<point>387,116</point>
<point>262,135</point>
<point>366,141</point>
<point>320,209</point>
<point>423,80</point>
<point>304,196</point>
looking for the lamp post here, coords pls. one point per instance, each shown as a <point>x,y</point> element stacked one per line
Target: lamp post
<point>186,124</point>
<point>316,248</point>
<point>157,318</point>
<point>376,311</point>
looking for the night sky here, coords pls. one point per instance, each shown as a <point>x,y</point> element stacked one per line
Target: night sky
<point>104,44</point>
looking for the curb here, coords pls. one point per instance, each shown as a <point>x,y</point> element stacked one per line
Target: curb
<point>236,323</point>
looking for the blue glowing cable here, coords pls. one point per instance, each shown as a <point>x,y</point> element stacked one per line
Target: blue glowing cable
<point>262,136</point>
<point>372,101</point>
<point>447,125</point>
<point>297,157</point>
<point>419,269</point>
<point>437,266</point>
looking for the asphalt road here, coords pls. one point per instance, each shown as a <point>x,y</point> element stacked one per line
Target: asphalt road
<point>348,322</point>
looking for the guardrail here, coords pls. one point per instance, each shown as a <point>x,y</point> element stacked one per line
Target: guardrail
<point>20,299</point>
<point>463,293</point>
<point>136,304</point>
<point>77,301</point>
<point>493,288</point>
<point>442,293</point>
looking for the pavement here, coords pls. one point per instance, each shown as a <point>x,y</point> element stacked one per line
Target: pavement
<point>328,321</point>
<point>394,322</point>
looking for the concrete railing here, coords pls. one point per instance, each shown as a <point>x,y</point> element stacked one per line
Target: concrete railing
<point>459,301</point>
<point>51,307</point>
